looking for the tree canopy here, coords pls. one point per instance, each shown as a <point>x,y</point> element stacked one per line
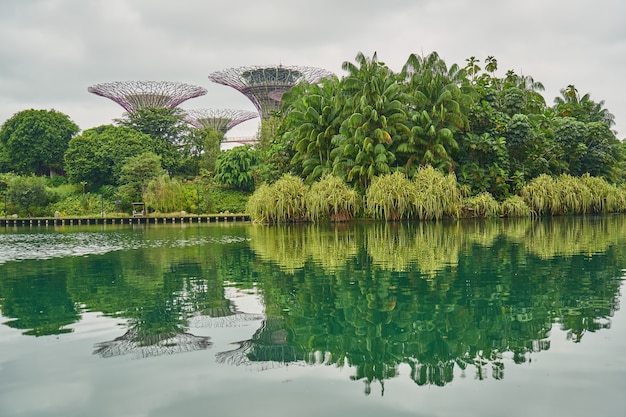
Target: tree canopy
<point>34,141</point>
<point>495,133</point>
<point>97,155</point>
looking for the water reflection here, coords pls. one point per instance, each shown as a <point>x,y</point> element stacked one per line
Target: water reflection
<point>435,297</point>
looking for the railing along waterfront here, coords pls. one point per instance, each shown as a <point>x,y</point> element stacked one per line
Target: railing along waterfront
<point>77,221</point>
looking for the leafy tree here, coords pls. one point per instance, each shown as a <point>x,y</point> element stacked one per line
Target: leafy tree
<point>136,173</point>
<point>97,155</point>
<point>234,167</point>
<point>582,108</point>
<point>28,194</point>
<point>34,141</point>
<point>166,126</point>
<point>201,149</point>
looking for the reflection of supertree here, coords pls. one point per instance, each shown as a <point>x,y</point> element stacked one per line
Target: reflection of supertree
<point>144,346</point>
<point>269,345</point>
<point>135,95</point>
<point>265,86</point>
<point>222,120</point>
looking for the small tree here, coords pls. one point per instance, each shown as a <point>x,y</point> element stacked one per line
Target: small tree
<point>233,168</point>
<point>27,194</point>
<point>97,155</point>
<point>136,173</point>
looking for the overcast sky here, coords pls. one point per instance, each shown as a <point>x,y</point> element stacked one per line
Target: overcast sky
<point>51,51</point>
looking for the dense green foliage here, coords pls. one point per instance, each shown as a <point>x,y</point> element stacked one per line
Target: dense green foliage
<point>495,133</point>
<point>34,142</point>
<point>233,168</point>
<point>97,155</point>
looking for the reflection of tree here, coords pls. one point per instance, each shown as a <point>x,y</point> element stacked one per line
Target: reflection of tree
<point>492,301</point>
<point>438,297</point>
<point>36,297</point>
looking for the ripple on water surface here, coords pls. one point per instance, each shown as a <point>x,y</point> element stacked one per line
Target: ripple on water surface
<point>22,246</point>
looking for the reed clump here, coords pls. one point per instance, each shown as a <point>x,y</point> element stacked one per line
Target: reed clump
<point>482,205</point>
<point>390,197</point>
<point>436,195</point>
<point>332,199</point>
<point>566,194</point>
<point>282,202</point>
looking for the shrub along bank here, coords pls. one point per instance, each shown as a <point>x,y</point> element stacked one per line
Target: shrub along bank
<point>430,195</point>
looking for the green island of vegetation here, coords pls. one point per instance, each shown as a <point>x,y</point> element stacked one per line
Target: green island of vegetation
<point>431,141</point>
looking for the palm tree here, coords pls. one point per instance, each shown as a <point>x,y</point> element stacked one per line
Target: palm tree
<point>313,117</point>
<point>374,119</point>
<point>440,102</point>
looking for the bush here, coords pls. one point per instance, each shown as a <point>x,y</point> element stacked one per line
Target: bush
<point>482,205</point>
<point>222,199</point>
<point>282,202</point>
<point>390,197</point>
<point>514,206</point>
<point>234,168</point>
<point>331,198</point>
<point>28,195</point>
<point>436,195</point>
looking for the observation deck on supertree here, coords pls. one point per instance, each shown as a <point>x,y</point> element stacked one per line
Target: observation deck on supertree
<point>222,120</point>
<point>265,85</point>
<point>135,95</point>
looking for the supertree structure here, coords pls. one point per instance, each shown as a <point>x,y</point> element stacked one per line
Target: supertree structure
<point>135,95</point>
<point>265,86</point>
<point>222,120</point>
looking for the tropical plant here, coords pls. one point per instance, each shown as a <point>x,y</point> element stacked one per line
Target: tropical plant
<point>282,202</point>
<point>375,119</point>
<point>436,195</point>
<point>440,101</point>
<point>234,167</point>
<point>390,197</point>
<point>515,206</point>
<point>331,198</point>
<point>481,205</point>
<point>313,118</point>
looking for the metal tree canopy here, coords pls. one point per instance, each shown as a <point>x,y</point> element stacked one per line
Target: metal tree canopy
<point>265,86</point>
<point>135,95</point>
<point>143,346</point>
<point>222,120</point>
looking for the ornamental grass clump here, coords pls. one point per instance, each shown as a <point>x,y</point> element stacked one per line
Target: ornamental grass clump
<point>515,206</point>
<point>566,194</point>
<point>574,196</point>
<point>282,202</point>
<point>436,195</point>
<point>481,205</point>
<point>542,195</point>
<point>605,197</point>
<point>258,203</point>
<point>390,197</point>
<point>331,198</point>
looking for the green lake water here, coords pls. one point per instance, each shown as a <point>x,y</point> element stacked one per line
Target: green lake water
<point>468,318</point>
